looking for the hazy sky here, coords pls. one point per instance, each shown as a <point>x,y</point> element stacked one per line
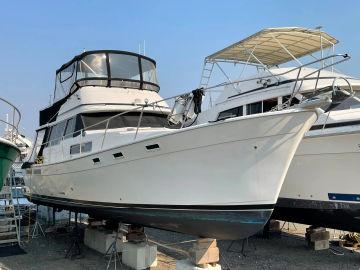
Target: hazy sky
<point>37,37</point>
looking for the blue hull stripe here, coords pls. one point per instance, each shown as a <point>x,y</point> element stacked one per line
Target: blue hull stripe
<point>344,197</point>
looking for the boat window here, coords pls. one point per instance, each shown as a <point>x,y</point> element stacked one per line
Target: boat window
<point>254,108</point>
<point>39,144</point>
<point>269,104</point>
<point>149,74</point>
<point>70,128</point>
<point>124,66</point>
<point>75,149</point>
<point>108,69</point>
<point>349,103</point>
<point>85,147</point>
<point>293,101</point>
<point>96,121</point>
<point>67,73</point>
<point>234,112</point>
<point>56,133</point>
<point>92,66</point>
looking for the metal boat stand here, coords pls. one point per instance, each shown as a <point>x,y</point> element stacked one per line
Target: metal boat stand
<point>245,242</point>
<point>75,250</point>
<point>37,230</point>
<point>288,226</point>
<point>113,251</point>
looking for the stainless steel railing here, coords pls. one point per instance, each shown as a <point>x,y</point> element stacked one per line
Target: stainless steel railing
<point>12,131</point>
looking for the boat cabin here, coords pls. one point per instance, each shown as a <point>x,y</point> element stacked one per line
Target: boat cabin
<point>92,93</point>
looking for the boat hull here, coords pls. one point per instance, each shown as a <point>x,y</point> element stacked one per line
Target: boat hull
<point>8,154</point>
<point>215,180</point>
<point>326,192</point>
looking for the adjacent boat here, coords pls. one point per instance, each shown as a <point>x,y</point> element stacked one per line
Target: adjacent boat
<point>8,150</point>
<point>111,147</point>
<point>321,187</point>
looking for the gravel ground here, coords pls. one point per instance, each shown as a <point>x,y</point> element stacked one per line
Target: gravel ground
<point>286,252</point>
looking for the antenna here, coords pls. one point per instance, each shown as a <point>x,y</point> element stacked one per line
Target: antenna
<point>144,47</point>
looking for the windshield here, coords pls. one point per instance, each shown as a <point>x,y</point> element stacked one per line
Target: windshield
<point>108,69</point>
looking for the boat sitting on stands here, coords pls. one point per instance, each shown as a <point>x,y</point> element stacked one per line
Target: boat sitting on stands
<point>277,68</point>
<point>111,147</point>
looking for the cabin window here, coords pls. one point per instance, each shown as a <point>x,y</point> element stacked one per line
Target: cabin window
<point>70,128</point>
<point>269,104</point>
<point>293,101</point>
<point>349,103</point>
<point>57,132</point>
<point>254,108</point>
<point>85,147</point>
<point>234,112</point>
<point>96,121</point>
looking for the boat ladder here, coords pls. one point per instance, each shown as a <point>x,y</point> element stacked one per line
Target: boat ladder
<point>9,218</point>
<point>206,73</point>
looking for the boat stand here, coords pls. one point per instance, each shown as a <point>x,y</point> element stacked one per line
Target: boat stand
<point>245,242</point>
<point>113,251</point>
<point>37,230</point>
<point>288,226</point>
<point>74,250</point>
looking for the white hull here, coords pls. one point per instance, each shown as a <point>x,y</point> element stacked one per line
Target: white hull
<point>321,187</point>
<point>223,168</point>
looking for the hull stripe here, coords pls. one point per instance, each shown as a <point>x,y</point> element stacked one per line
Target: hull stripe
<point>344,197</point>
<point>66,201</point>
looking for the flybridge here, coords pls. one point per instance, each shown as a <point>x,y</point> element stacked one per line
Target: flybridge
<point>106,68</point>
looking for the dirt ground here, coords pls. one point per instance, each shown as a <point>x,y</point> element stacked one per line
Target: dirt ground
<point>288,251</point>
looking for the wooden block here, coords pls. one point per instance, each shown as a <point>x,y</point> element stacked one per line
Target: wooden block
<point>164,262</point>
<point>204,256</point>
<point>204,243</point>
<point>274,225</point>
<point>316,236</point>
<point>320,245</point>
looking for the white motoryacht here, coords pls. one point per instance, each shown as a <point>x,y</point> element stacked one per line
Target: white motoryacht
<point>111,147</point>
<point>321,186</point>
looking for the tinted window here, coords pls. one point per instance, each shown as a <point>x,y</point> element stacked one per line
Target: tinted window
<point>254,108</point>
<point>94,121</point>
<point>269,104</point>
<point>234,112</point>
<point>293,101</point>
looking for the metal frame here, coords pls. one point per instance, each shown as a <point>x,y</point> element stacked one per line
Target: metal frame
<point>15,119</point>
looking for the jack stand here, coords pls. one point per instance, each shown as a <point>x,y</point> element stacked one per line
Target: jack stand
<point>246,241</point>
<point>74,249</point>
<point>112,250</point>
<point>38,230</point>
<point>288,225</point>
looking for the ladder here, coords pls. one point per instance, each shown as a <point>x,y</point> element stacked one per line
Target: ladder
<point>206,73</point>
<point>9,218</point>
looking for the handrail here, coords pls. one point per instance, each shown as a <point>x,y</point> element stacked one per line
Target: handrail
<point>14,124</point>
<point>345,56</point>
<point>155,104</point>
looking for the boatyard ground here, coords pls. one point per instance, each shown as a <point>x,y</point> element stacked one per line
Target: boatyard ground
<point>287,251</point>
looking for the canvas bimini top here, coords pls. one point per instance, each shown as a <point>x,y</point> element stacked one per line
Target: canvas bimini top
<point>275,46</point>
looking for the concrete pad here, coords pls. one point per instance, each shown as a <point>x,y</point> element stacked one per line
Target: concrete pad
<point>139,255</point>
<point>100,240</point>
